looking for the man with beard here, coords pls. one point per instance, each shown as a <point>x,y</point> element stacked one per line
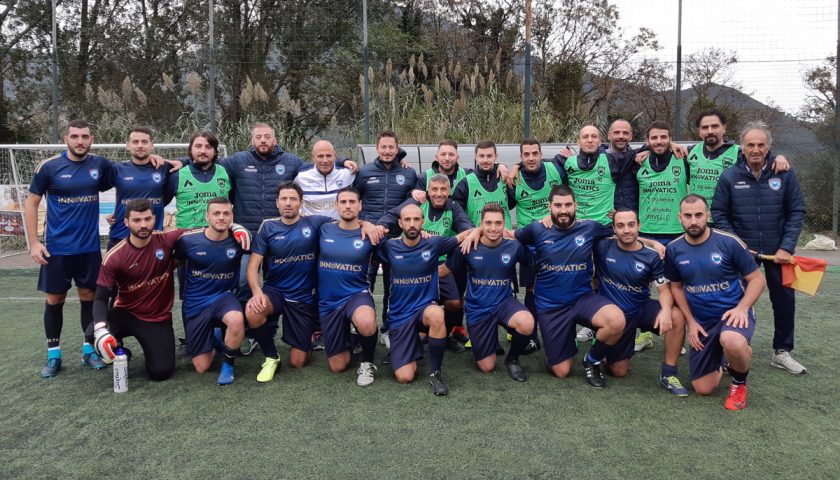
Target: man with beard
<point>414,288</point>
<point>344,296</point>
<point>563,287</point>
<point>490,301</point>
<point>443,217</point>
<point>199,181</point>
<point>483,186</point>
<point>211,259</point>
<point>445,162</point>
<point>707,268</point>
<point>767,211</point>
<point>138,178</point>
<point>625,269</point>
<point>72,182</point>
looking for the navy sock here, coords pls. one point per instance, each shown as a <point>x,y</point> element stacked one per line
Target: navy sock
<point>53,321</point>
<point>368,347</point>
<point>87,317</point>
<point>230,355</point>
<point>597,353</point>
<point>517,344</point>
<point>739,378</point>
<point>668,370</point>
<point>437,346</point>
<point>531,303</point>
<point>265,338</point>
<point>452,320</point>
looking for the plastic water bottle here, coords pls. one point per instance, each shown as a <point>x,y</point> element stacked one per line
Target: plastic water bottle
<point>120,371</point>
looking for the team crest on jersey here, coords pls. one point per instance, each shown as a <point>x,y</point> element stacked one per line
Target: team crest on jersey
<point>717,258</point>
<point>601,171</point>
<point>306,232</point>
<point>221,182</point>
<point>280,169</point>
<point>159,254</point>
<point>94,173</point>
<point>579,240</point>
<point>447,222</point>
<point>553,183</point>
<point>357,244</point>
<point>157,177</point>
<point>775,183</point>
<point>231,252</point>
<point>400,179</point>
<point>426,255</point>
<point>339,183</point>
<point>676,171</point>
<point>506,259</point>
<point>640,267</point>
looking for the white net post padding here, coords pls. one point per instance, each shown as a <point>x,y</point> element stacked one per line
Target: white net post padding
<point>17,166</point>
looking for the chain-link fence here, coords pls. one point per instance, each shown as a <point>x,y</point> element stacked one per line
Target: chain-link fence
<point>432,69</point>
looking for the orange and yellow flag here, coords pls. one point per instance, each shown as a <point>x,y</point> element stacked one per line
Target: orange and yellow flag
<point>804,274</point>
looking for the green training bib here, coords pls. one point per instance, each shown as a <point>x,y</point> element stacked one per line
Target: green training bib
<point>594,189</point>
<point>193,195</point>
<point>660,194</point>
<point>478,197</point>
<point>531,204</point>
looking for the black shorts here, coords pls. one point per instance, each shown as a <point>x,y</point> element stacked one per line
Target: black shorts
<point>56,276</point>
<point>157,339</point>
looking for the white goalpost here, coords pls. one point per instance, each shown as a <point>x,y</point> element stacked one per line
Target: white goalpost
<point>17,166</point>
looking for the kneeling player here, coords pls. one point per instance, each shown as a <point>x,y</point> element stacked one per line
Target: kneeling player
<point>414,289</point>
<point>212,257</point>
<point>705,267</point>
<point>625,270</point>
<point>343,289</point>
<point>491,269</point>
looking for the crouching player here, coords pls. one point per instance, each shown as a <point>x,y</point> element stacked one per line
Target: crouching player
<point>343,289</point>
<point>414,289</point>
<point>625,269</point>
<point>706,268</point>
<point>211,259</point>
<point>491,269</point>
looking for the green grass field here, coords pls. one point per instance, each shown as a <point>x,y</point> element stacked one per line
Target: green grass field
<point>312,424</point>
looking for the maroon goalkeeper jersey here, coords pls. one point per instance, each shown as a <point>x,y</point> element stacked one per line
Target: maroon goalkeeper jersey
<point>143,276</point>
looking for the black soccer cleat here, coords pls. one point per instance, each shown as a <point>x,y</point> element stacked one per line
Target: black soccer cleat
<point>594,375</point>
<point>515,370</point>
<point>439,386</point>
<point>531,347</point>
<point>455,346</point>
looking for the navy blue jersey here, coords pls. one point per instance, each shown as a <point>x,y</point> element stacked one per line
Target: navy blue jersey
<point>490,275</point>
<point>342,266</point>
<point>134,181</point>
<point>563,260</point>
<point>624,277</point>
<point>72,189</point>
<point>414,274</point>
<point>212,268</point>
<point>711,273</point>
<point>290,253</point>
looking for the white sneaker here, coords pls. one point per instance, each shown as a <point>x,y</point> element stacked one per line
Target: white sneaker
<point>644,341</point>
<point>782,359</point>
<point>585,335</point>
<point>365,372</point>
<point>384,339</point>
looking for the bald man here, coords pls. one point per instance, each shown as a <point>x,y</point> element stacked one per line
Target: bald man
<point>321,180</point>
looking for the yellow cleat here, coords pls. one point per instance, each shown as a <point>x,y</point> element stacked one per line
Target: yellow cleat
<point>269,367</point>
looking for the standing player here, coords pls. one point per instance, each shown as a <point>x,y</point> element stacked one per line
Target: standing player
<point>321,180</point>
<point>138,178</point>
<point>483,185</point>
<point>138,272</point>
<point>592,177</point>
<point>626,268</point>
<point>211,264</point>
<point>491,270</point>
<point>343,290</point>
<point>72,182</point>
<point>706,268</point>
<point>414,287</point>
<point>445,162</point>
<point>199,181</point>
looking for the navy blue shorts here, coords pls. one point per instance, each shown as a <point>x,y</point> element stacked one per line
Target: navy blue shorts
<point>199,329</point>
<point>484,331</point>
<point>300,319</point>
<point>558,325</point>
<point>60,270</point>
<point>448,288</point>
<point>406,346</point>
<point>709,359</point>
<point>335,326</point>
<point>644,318</point>
<point>663,238</point>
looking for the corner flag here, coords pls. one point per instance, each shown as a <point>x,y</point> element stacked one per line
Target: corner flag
<point>803,274</point>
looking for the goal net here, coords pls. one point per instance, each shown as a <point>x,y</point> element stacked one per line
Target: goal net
<point>17,166</point>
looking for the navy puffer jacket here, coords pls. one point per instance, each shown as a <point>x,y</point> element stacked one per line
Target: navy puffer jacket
<point>766,212</point>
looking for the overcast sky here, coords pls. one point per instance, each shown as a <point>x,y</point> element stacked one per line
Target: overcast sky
<point>775,40</point>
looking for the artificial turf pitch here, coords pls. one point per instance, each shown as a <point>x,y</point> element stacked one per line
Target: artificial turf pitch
<point>310,423</point>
